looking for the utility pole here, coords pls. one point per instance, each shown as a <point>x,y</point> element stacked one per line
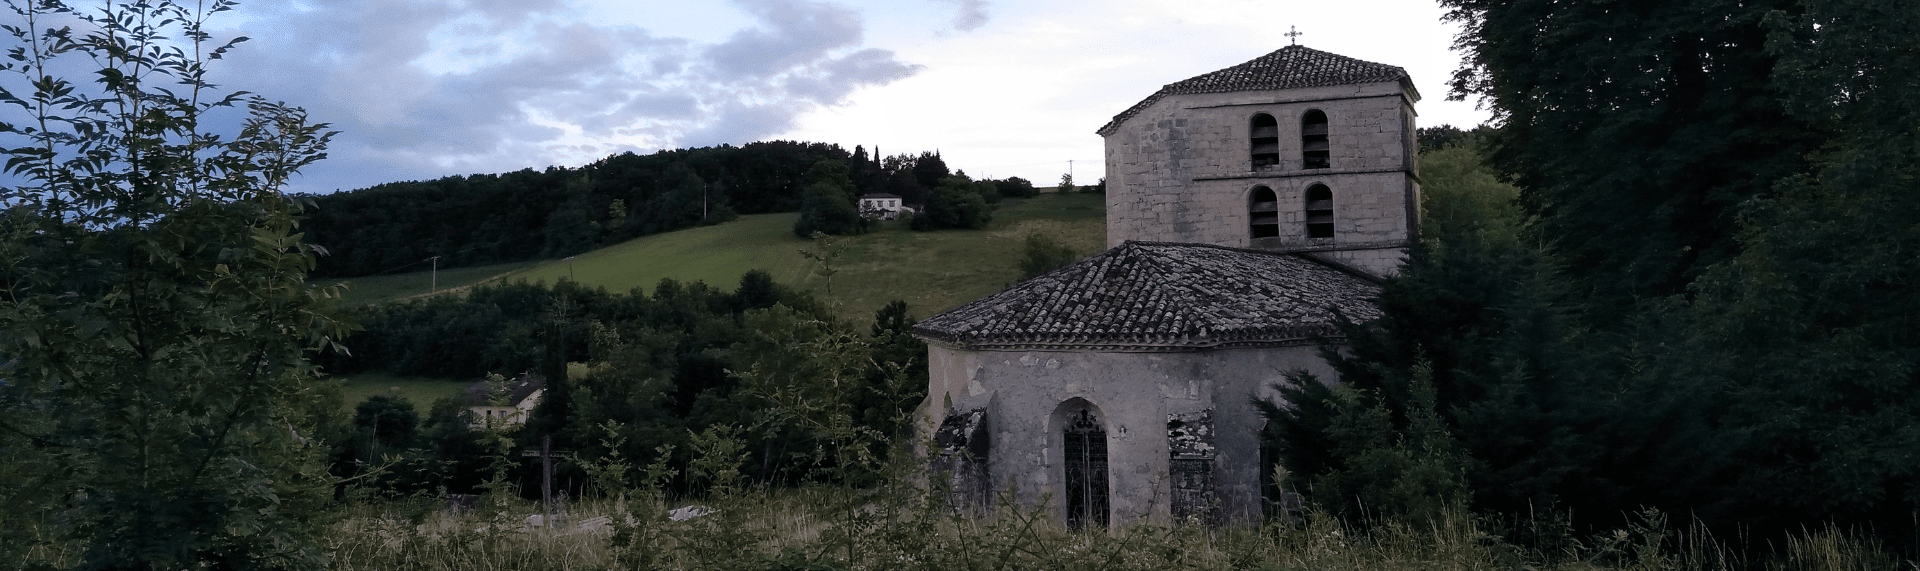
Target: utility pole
<point>434,285</point>
<point>546,478</point>
<point>570,270</point>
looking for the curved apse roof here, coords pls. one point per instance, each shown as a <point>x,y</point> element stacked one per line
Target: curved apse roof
<point>1155,296</point>
<point>1291,67</point>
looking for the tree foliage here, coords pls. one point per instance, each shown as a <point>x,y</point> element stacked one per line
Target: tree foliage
<point>829,206</point>
<point>647,371</point>
<point>1470,334</point>
<point>387,421</point>
<point>1016,187</point>
<point>1635,129</point>
<point>957,203</point>
<point>554,212</point>
<point>1042,254</point>
<point>154,310</point>
<point>1702,301</point>
<point>1810,324</point>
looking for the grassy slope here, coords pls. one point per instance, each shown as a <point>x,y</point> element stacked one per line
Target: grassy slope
<point>717,255</point>
<point>419,391</point>
<point>932,271</point>
<point>935,271</point>
<point>382,288</point>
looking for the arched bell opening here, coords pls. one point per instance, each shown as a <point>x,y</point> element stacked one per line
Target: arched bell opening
<point>1263,213</point>
<point>1315,151</point>
<point>1264,142</point>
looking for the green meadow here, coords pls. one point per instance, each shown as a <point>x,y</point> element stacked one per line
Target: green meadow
<point>931,271</point>
<point>419,391</point>
<point>391,287</point>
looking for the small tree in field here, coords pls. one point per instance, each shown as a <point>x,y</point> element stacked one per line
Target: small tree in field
<point>1043,254</point>
<point>155,320</point>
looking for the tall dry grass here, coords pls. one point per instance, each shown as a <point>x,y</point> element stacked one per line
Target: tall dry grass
<point>812,528</point>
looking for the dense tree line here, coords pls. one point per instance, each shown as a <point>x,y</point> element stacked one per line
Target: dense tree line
<point>953,200</point>
<point>658,369</point>
<point>1692,297</point>
<point>528,214</point>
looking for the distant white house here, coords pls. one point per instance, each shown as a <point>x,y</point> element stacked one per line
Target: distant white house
<point>882,205</point>
<point>523,393</point>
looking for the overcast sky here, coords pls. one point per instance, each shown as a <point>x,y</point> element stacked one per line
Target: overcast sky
<point>428,88</point>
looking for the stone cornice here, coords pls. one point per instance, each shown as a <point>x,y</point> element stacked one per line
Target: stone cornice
<point>1402,95</point>
<point>1302,173</point>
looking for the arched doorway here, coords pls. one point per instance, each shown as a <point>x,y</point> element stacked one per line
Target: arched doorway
<point>1085,467</point>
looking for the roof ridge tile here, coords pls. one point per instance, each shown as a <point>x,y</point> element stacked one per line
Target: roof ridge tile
<point>1291,67</point>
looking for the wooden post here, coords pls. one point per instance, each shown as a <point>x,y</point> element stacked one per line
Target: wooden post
<point>546,478</point>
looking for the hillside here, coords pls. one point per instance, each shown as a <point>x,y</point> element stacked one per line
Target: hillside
<point>931,271</point>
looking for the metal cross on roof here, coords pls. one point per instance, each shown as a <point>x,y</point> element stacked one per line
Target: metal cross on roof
<point>1293,35</point>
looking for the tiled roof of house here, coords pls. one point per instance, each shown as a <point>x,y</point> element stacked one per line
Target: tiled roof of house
<point>1290,67</point>
<point>518,389</point>
<point>1155,296</point>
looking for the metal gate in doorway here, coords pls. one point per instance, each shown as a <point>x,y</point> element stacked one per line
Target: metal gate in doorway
<point>1086,477</point>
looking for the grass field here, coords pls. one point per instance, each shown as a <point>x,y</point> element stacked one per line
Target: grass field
<point>420,391</point>
<point>935,271</point>
<point>383,288</point>
<point>931,271</point>
<point>717,255</point>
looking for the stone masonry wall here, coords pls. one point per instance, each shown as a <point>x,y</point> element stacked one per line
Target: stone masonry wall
<point>1181,170</point>
<point>1134,394</point>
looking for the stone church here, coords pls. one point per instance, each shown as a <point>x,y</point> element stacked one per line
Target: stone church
<point>1246,209</point>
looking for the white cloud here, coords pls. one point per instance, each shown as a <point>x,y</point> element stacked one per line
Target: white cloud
<point>971,16</point>
<point>428,88</point>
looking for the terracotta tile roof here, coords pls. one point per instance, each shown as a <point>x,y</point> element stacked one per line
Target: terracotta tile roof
<point>1156,296</point>
<point>1290,67</point>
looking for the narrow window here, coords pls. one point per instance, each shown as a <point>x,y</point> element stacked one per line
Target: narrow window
<point>1319,211</point>
<point>1315,153</point>
<point>1086,471</point>
<point>1266,142</point>
<point>1264,212</point>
